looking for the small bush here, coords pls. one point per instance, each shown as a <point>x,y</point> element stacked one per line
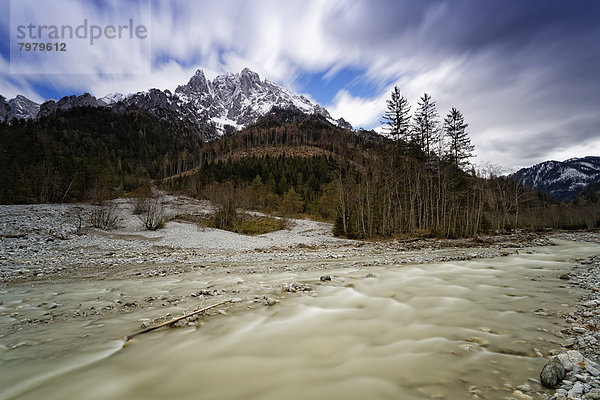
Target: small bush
<point>105,216</point>
<point>153,214</point>
<point>78,216</point>
<point>140,205</point>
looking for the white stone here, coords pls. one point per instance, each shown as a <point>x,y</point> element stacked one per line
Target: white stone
<point>592,368</point>
<point>522,396</point>
<point>575,357</point>
<point>577,390</point>
<point>524,388</point>
<point>564,358</point>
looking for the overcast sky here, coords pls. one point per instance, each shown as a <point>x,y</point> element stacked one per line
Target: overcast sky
<point>525,73</point>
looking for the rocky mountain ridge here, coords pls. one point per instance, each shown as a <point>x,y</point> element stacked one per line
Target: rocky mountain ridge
<point>212,108</point>
<point>563,180</point>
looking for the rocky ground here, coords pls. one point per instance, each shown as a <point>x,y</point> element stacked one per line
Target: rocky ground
<point>40,242</point>
<point>576,373</point>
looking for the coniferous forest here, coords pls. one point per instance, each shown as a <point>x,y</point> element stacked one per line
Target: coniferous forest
<point>66,156</point>
<point>417,180</point>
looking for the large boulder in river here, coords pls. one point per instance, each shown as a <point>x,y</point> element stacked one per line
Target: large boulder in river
<point>553,373</point>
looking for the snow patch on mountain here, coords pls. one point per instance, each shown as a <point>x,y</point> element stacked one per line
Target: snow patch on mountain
<point>112,98</point>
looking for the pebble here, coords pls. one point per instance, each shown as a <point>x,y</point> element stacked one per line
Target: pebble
<point>593,394</point>
<point>526,388</point>
<point>294,287</point>
<point>520,395</point>
<point>592,368</point>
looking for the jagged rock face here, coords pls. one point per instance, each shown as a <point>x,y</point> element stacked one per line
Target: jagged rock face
<point>5,110</point>
<point>84,100</point>
<point>196,86</point>
<point>562,180</point>
<point>342,123</point>
<point>168,107</point>
<point>23,108</point>
<point>150,100</point>
<point>240,99</point>
<point>112,98</point>
<point>66,103</point>
<point>47,108</point>
<point>20,107</point>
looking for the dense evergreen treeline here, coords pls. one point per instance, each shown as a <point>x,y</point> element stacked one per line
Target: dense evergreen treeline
<point>289,184</point>
<point>65,156</point>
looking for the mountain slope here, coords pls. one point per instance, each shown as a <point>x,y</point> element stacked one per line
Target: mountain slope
<point>562,180</point>
<point>20,108</point>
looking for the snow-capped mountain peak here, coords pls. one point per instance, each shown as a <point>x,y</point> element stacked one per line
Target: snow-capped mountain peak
<point>562,180</point>
<point>239,99</point>
<point>232,99</point>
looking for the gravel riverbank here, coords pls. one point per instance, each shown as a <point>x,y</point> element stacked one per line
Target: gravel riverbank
<point>42,242</point>
<point>580,355</point>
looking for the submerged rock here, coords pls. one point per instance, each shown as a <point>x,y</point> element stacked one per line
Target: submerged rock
<point>295,287</point>
<point>553,373</point>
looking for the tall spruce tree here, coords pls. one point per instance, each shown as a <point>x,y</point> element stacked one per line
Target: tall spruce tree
<point>425,125</point>
<point>397,119</point>
<point>460,147</point>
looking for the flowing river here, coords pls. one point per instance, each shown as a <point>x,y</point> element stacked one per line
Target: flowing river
<point>453,330</point>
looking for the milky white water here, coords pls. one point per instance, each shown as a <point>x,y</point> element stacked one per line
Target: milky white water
<point>445,330</point>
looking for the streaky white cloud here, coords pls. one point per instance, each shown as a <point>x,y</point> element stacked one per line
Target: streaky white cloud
<point>75,22</point>
<point>360,112</point>
<point>11,87</point>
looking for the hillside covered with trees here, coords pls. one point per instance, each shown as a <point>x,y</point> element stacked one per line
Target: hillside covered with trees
<point>69,154</point>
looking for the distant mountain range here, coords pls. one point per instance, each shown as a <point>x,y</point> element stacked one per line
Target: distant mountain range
<point>563,180</point>
<point>211,108</point>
